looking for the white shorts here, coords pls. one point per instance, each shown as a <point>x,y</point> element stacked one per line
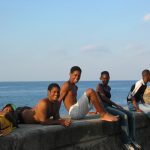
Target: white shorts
<point>81,108</point>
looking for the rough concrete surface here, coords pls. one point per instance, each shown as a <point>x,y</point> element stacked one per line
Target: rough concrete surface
<point>88,134</point>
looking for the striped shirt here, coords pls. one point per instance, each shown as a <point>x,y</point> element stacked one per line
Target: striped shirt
<point>137,91</point>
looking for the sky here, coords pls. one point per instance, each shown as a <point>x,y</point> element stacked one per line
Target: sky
<point>40,40</point>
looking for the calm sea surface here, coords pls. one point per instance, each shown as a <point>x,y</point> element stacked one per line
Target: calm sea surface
<point>29,93</point>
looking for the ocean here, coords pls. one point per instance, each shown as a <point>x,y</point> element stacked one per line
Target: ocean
<point>29,93</point>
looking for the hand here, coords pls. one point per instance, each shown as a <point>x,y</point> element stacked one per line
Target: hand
<point>65,122</point>
<point>138,110</point>
<point>91,113</point>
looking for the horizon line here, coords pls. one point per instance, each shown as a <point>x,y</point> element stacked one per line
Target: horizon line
<point>66,80</point>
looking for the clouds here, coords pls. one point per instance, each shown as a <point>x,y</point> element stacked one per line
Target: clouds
<point>94,48</point>
<point>136,49</point>
<point>88,48</point>
<point>147,17</point>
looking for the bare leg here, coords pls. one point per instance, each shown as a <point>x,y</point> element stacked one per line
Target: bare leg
<point>96,101</point>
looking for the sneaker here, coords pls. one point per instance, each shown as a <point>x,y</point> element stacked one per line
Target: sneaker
<point>136,145</point>
<point>128,147</point>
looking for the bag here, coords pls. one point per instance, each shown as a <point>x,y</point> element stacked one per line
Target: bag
<point>5,125</point>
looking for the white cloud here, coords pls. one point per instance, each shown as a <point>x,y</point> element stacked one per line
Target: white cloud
<point>147,17</point>
<point>133,46</point>
<point>136,48</point>
<point>88,48</point>
<point>94,48</point>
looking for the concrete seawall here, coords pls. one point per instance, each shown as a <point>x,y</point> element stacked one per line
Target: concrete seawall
<point>87,134</point>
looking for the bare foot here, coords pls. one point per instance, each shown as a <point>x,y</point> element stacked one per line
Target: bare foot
<point>109,117</point>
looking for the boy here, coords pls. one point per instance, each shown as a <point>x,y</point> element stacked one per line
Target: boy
<point>135,98</point>
<point>78,109</point>
<point>103,90</point>
<point>46,108</point>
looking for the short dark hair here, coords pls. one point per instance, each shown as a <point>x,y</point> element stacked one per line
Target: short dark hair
<point>75,68</point>
<point>146,71</point>
<point>13,107</point>
<point>52,85</point>
<point>104,72</point>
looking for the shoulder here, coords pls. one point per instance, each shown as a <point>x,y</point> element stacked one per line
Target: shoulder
<point>139,83</point>
<point>43,102</point>
<point>65,85</point>
<point>99,85</point>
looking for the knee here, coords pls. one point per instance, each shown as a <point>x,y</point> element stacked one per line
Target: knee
<point>90,91</point>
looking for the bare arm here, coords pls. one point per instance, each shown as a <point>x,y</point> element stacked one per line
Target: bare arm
<point>135,105</point>
<point>56,122</point>
<point>64,90</point>
<point>101,93</point>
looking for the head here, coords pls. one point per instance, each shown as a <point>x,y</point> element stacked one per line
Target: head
<point>53,92</point>
<point>104,77</point>
<point>9,108</point>
<point>75,74</point>
<point>10,114</point>
<point>146,75</point>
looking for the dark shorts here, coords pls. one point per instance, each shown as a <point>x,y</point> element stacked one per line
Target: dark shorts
<point>19,111</point>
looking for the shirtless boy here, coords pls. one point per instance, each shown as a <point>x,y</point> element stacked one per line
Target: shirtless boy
<point>78,109</point>
<point>45,108</point>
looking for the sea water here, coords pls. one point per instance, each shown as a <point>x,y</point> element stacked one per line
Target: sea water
<point>29,93</point>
